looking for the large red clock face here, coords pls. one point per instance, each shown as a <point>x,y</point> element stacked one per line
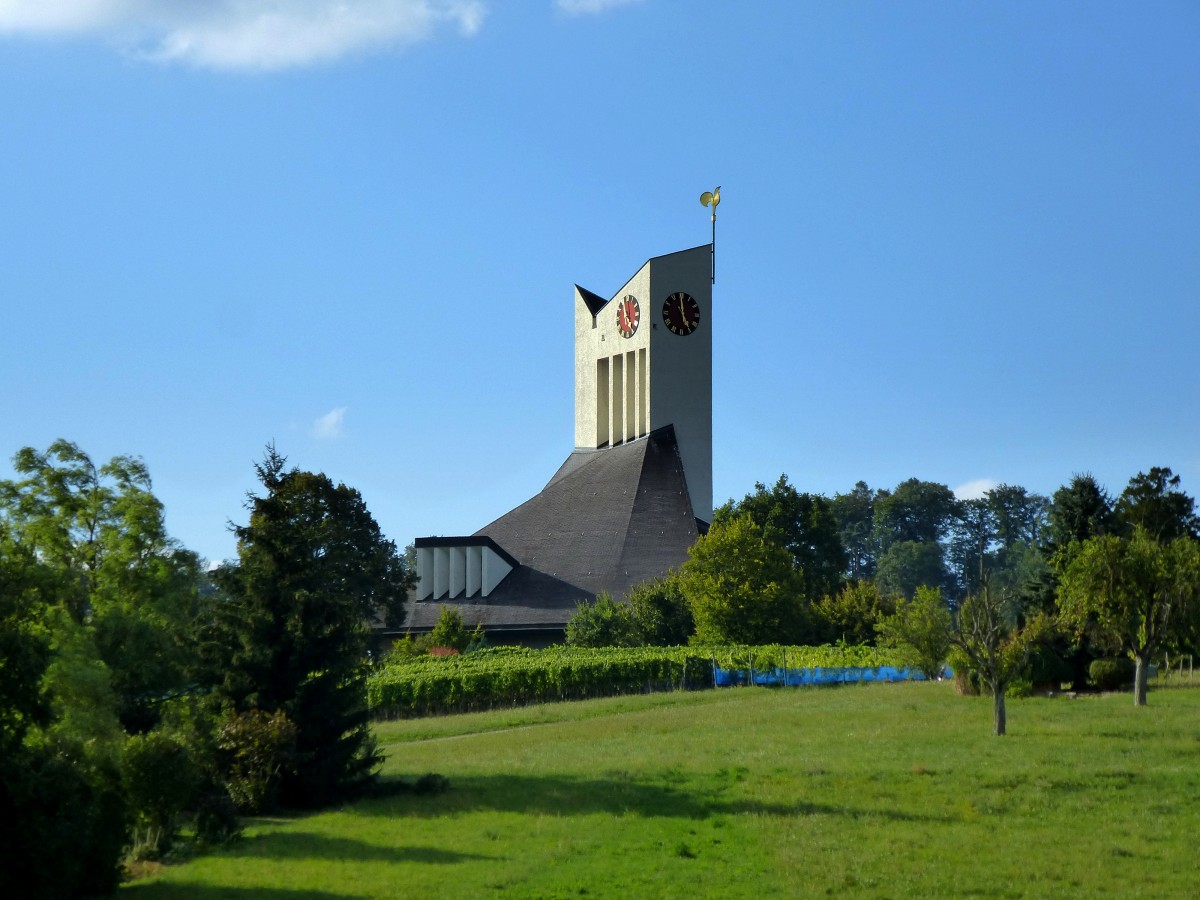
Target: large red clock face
<point>628,315</point>
<point>681,313</point>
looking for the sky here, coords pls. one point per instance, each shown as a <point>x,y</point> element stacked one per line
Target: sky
<point>956,241</point>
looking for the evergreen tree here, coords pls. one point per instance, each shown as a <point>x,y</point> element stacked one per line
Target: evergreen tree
<point>313,572</point>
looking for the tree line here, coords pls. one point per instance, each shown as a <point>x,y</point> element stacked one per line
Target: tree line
<point>1017,585</point>
<point>140,694</point>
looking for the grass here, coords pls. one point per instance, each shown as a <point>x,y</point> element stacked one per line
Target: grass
<point>872,790</point>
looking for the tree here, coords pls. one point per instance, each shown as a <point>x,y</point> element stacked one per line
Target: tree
<point>991,536</point>
<point>313,571</point>
<point>851,615</point>
<point>1020,516</point>
<point>855,515</point>
<point>24,647</point>
<point>743,588</point>
<point>993,634</point>
<point>100,535</point>
<point>916,511</point>
<point>908,565</point>
<point>603,622</point>
<point>802,524</point>
<point>1133,593</point>
<point>973,535</point>
<point>63,825</point>
<point>921,629</point>
<point>661,612</point>
<point>1078,511</point>
<point>1153,501</point>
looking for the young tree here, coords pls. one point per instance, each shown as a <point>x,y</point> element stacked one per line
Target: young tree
<point>921,629</point>
<point>313,572</point>
<point>450,630</point>
<point>743,588</point>
<point>1133,593</point>
<point>991,634</point>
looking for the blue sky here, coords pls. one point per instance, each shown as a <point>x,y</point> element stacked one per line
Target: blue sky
<point>959,242</point>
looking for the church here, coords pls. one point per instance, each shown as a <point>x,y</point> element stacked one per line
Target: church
<point>633,495</point>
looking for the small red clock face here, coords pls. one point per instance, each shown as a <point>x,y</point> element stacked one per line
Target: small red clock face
<point>681,313</point>
<point>628,315</point>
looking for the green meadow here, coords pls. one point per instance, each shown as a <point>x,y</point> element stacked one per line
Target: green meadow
<point>896,790</point>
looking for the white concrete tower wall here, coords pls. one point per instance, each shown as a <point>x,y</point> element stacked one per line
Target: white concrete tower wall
<point>627,387</point>
<point>681,369</point>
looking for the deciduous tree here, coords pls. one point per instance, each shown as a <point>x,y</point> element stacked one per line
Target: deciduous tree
<point>921,629</point>
<point>992,632</point>
<point>908,565</point>
<point>802,524</point>
<point>742,587</point>
<point>855,515</point>
<point>1133,593</point>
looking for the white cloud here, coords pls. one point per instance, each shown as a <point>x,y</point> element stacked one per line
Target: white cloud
<point>590,7</point>
<point>329,426</point>
<point>974,490</point>
<point>244,34</point>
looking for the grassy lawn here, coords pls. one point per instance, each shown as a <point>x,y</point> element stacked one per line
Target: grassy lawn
<point>871,790</point>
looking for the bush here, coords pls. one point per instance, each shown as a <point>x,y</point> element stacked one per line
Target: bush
<point>64,824</point>
<point>1048,669</point>
<point>450,631</point>
<point>660,613</point>
<point>217,819</point>
<point>161,780</point>
<point>1111,673</point>
<point>605,622</point>
<point>257,749</point>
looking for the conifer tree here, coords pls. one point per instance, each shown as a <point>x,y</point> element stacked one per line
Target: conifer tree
<point>313,572</point>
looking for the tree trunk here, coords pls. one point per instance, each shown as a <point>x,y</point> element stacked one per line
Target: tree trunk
<point>998,716</point>
<point>1139,680</point>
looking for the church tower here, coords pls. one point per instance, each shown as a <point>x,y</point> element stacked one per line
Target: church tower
<point>643,361</point>
<point>633,495</point>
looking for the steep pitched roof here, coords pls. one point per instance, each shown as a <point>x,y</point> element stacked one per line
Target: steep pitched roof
<point>607,520</point>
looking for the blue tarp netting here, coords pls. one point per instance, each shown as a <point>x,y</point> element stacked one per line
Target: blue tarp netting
<point>826,675</point>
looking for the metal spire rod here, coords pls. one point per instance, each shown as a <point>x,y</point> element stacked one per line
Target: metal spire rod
<point>712,198</point>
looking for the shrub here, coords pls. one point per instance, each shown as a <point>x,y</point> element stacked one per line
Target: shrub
<point>161,780</point>
<point>64,823</point>
<point>258,747</point>
<point>450,631</point>
<point>1047,668</point>
<point>604,622</point>
<point>1111,673</point>
<point>217,819</point>
<point>660,613</point>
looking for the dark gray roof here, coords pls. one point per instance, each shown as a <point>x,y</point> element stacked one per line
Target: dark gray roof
<point>608,520</point>
<point>594,302</point>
